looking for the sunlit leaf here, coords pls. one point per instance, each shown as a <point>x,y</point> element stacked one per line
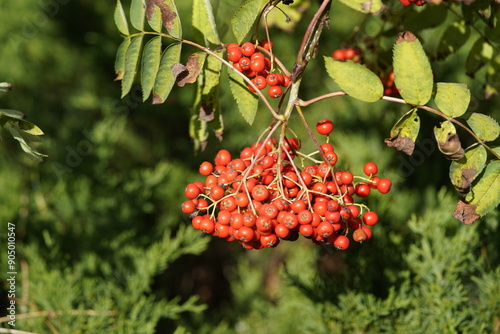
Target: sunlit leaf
<point>246,101</point>
<point>412,70</point>
<point>355,79</point>
<point>137,14</point>
<point>465,170</point>
<point>244,18</point>
<point>448,142</point>
<point>150,64</point>
<point>120,19</point>
<point>165,78</point>
<point>364,6</point>
<point>485,127</point>
<point>485,195</point>
<point>452,98</point>
<point>405,132</point>
<point>204,22</point>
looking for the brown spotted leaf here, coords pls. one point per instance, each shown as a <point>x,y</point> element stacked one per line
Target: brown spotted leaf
<point>163,12</point>
<point>448,141</point>
<point>405,132</point>
<point>466,213</point>
<point>188,73</point>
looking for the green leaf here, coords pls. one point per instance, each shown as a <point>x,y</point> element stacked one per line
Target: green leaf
<point>12,113</point>
<point>485,127</point>
<point>405,132</point>
<point>15,131</point>
<point>120,58</point>
<point>412,69</point>
<point>464,171</point>
<point>137,14</point>
<point>4,88</point>
<point>29,127</point>
<point>204,22</point>
<point>166,12</point>
<point>355,79</point>
<point>455,36</point>
<point>452,98</point>
<point>244,18</point>
<point>448,141</point>
<point>479,55</point>
<point>364,6</point>
<point>485,195</point>
<point>120,19</point>
<point>131,61</point>
<point>150,64</point>
<point>165,78</point>
<point>246,100</point>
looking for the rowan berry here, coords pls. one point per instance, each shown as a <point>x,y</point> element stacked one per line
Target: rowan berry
<point>192,191</point>
<point>370,218</point>
<point>188,206</point>
<point>266,44</point>
<point>275,91</point>
<point>338,54</point>
<point>269,240</point>
<point>341,242</point>
<point>359,235</point>
<point>234,54</point>
<point>324,127</point>
<point>247,49</point>
<point>384,185</point>
<point>370,168</point>
<point>325,229</point>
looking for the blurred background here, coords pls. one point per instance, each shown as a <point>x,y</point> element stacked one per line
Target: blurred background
<point>102,246</point>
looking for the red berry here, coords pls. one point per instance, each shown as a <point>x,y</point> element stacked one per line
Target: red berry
<point>324,127</point>
<point>341,242</point>
<point>206,168</point>
<point>370,218</point>
<point>188,206</point>
<point>247,49</point>
<point>234,54</point>
<point>384,185</point>
<point>274,91</point>
<point>266,44</point>
<point>370,168</point>
<point>338,54</point>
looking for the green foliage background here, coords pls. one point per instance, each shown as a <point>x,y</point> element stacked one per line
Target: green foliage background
<point>102,245</point>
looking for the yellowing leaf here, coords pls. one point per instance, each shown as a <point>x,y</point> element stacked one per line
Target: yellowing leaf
<point>452,98</point>
<point>204,22</point>
<point>412,69</point>
<point>485,127</point>
<point>355,79</point>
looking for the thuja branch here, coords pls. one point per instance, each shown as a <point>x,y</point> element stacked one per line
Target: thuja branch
<point>50,314</point>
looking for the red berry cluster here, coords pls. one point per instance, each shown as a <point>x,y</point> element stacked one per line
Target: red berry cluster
<point>406,3</point>
<point>247,59</point>
<point>390,88</point>
<point>353,54</point>
<point>262,197</point>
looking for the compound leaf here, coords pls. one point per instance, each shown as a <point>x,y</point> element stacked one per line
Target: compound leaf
<point>120,19</point>
<point>355,79</point>
<point>165,78</point>
<point>204,22</point>
<point>246,100</point>
<point>137,13</point>
<point>150,64</point>
<point>131,62</point>
<point>452,98</point>
<point>485,127</point>
<point>412,69</point>
<point>244,18</point>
